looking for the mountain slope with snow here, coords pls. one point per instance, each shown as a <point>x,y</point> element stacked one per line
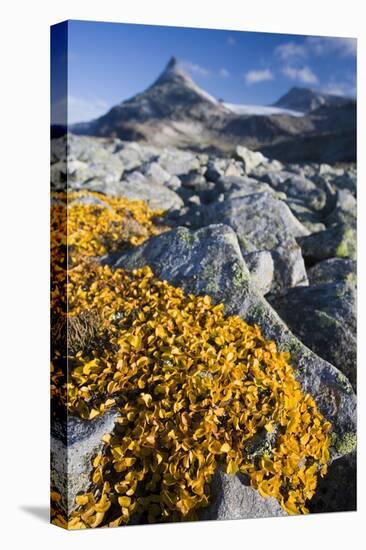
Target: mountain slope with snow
<point>261,110</point>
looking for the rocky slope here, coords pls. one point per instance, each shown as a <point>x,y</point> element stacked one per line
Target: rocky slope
<point>274,242</point>
<point>306,100</point>
<point>174,111</point>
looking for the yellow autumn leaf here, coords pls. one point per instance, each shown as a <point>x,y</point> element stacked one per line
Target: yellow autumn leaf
<point>146,398</point>
<point>124,502</point>
<point>160,331</point>
<point>232,467</point>
<point>81,500</point>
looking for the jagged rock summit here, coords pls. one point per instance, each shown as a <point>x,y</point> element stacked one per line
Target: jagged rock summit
<point>174,75</point>
<point>173,94</point>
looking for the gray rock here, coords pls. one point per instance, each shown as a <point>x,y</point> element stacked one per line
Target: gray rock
<point>58,149</point>
<point>278,269</point>
<point>251,159</point>
<point>194,199</point>
<point>155,173</point>
<point>190,215</point>
<point>82,148</point>
<point>68,175</point>
<point>327,322</point>
<point>173,183</point>
<point>86,166</point>
<point>330,170</point>
<point>259,218</point>
<point>133,155</point>
<point>260,265</point>
<point>345,209</point>
<point>218,167</point>
<point>71,463</point>
<point>274,178</point>
<point>86,148</point>
<point>138,187</point>
<point>58,176</point>
<point>231,498</point>
<point>234,169</point>
<point>178,162</point>
<point>332,271</point>
<point>232,186</point>
<point>90,200</point>
<point>304,170</point>
<point>209,261</point>
<point>270,166</point>
<point>346,181</point>
<point>308,217</point>
<point>215,169</point>
<point>194,181</point>
<point>299,187</point>
<point>289,267</point>
<point>323,182</point>
<point>336,241</point>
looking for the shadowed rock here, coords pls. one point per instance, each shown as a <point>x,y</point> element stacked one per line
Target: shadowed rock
<point>324,318</point>
<point>333,270</point>
<point>337,491</point>
<point>337,241</point>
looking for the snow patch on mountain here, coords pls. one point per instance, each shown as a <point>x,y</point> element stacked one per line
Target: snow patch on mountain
<point>261,110</point>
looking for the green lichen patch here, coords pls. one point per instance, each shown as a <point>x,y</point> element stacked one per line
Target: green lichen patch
<point>347,248</point>
<point>343,445</point>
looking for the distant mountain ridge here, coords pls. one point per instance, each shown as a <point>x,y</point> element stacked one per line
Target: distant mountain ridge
<point>307,100</point>
<point>175,111</point>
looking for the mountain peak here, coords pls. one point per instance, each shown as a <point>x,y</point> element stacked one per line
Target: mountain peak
<point>173,69</point>
<point>172,63</point>
<point>301,99</point>
<point>308,99</point>
<point>175,80</point>
<point>300,89</point>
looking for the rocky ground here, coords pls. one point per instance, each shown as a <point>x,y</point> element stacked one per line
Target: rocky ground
<point>274,242</point>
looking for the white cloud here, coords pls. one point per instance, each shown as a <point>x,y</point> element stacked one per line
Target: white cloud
<point>255,76</point>
<point>194,68</point>
<point>304,75</point>
<point>79,109</point>
<point>224,73</point>
<point>340,88</point>
<point>323,45</point>
<point>290,50</point>
<point>231,41</point>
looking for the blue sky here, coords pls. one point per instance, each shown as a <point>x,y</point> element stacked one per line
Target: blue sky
<point>110,62</point>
